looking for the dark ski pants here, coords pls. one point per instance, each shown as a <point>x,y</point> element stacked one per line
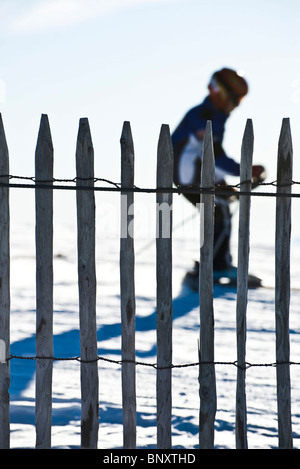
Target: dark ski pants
<point>222,230</point>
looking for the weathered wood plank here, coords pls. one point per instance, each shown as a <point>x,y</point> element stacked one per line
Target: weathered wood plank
<point>164,288</point>
<point>282,284</point>
<point>207,379</point>
<point>86,247</point>
<point>242,285</point>
<point>127,286</point>
<point>4,291</point>
<point>44,285</point>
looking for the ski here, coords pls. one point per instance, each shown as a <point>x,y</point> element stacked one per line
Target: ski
<point>226,278</point>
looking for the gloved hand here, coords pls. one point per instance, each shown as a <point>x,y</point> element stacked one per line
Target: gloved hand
<point>258,175</point>
<point>258,172</point>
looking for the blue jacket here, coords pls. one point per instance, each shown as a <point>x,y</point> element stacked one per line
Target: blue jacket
<point>194,122</point>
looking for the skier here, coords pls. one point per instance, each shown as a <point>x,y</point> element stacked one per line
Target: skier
<point>226,90</point>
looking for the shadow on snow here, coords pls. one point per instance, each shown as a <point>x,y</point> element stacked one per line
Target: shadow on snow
<point>67,345</point>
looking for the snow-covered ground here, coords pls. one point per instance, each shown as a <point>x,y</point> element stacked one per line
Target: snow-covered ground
<point>261,381</point>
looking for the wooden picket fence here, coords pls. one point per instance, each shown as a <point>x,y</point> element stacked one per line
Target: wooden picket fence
<point>87,288</point>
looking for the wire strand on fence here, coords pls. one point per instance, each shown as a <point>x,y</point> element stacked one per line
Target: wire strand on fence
<point>154,365</point>
<point>219,189</point>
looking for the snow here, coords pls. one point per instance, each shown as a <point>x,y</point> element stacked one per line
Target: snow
<point>261,381</point>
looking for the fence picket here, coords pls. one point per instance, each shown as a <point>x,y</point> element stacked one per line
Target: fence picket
<point>207,379</point>
<point>242,285</point>
<point>4,291</point>
<point>127,284</point>
<point>44,285</point>
<point>164,288</point>
<point>282,284</point>
<point>87,287</point>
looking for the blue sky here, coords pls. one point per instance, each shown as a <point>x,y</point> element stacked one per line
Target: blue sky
<point>146,61</point>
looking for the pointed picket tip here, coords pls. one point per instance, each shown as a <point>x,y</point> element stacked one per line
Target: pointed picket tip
<point>4,164</point>
<point>126,135</point>
<point>3,142</point>
<point>248,137</point>
<point>44,152</point>
<point>285,154</point>
<point>164,157</point>
<point>44,135</point>
<point>127,156</point>
<point>285,138</point>
<point>164,142</point>
<point>208,135</point>
<point>164,129</point>
<point>208,160</point>
<point>44,140</point>
<point>208,131</point>
<point>126,141</point>
<point>84,151</point>
<point>84,127</point>
<point>247,152</point>
<point>84,137</point>
<point>44,123</point>
<point>249,127</point>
